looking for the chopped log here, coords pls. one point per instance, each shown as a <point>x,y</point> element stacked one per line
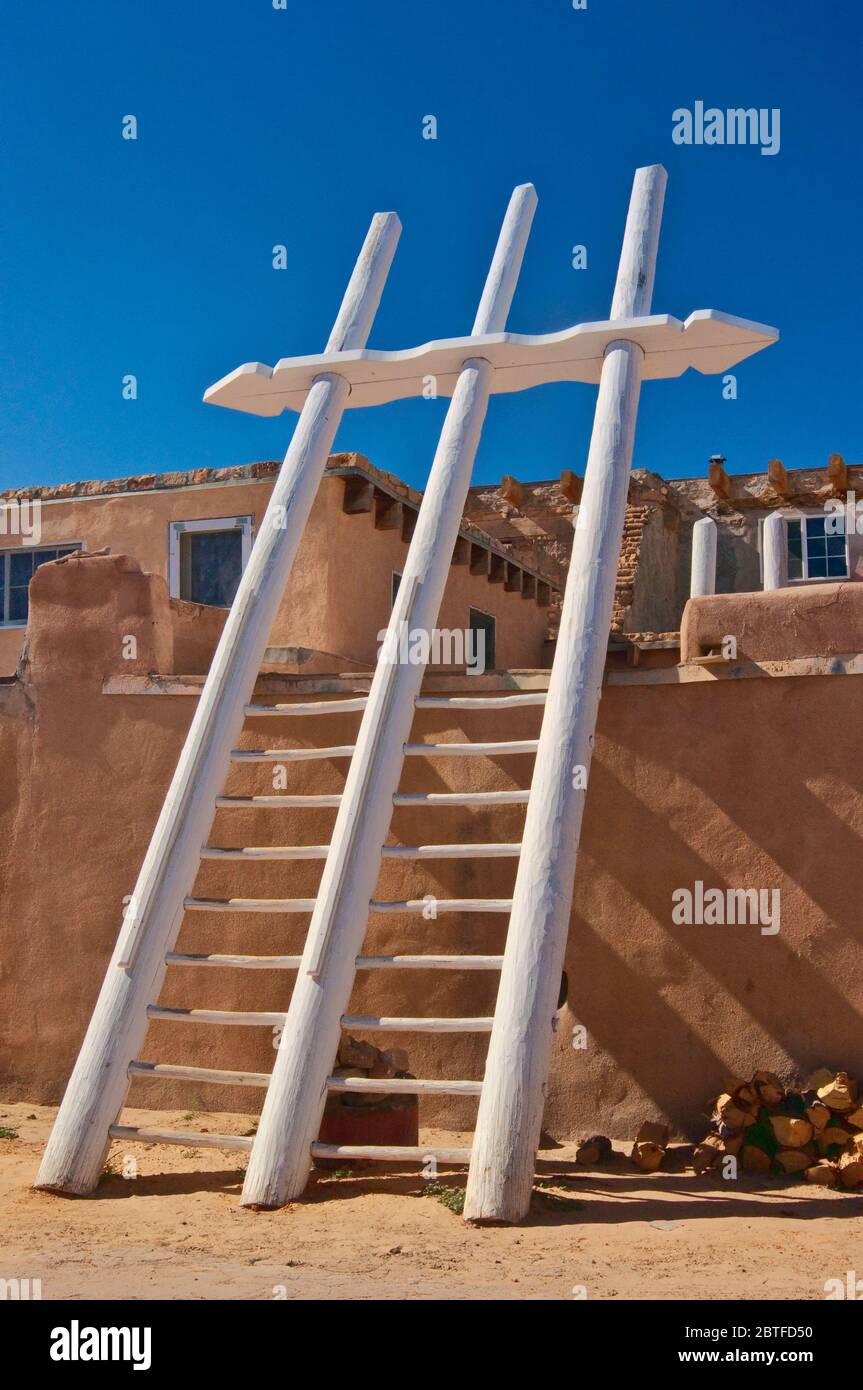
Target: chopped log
<point>855,1117</point>
<point>397,1058</point>
<point>830,1136</point>
<point>737,1116</point>
<point>732,1084</point>
<point>851,1169</point>
<point>734,1143</point>
<point>596,1149</point>
<point>778,477</point>
<point>755,1160</point>
<point>653,1133</point>
<point>707,1153</point>
<point>818,1116</point>
<point>768,1088</point>
<point>746,1097</point>
<point>824,1174</point>
<point>837,472</point>
<point>512,490</point>
<point>821,1077</point>
<point>791,1132</point>
<point>353,1053</point>
<point>647,1156</point>
<point>794,1160</point>
<point>840,1093</point>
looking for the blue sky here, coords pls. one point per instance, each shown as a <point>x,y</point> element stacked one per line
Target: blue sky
<point>260,126</point>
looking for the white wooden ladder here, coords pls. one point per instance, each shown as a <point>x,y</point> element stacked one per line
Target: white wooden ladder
<point>632,345</point>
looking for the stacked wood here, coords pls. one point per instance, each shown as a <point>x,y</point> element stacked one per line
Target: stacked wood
<point>650,1145</point>
<point>363,1059</point>
<point>815,1132</point>
<point>596,1149</point>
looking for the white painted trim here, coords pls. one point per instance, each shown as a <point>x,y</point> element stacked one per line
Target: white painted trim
<point>244,524</point>
<point>709,340</point>
<point>5,550</point>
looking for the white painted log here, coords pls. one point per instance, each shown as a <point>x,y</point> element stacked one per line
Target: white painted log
<point>277,803</point>
<point>372,1023</point>
<point>75,1153</point>
<point>386,1153</point>
<point>231,1018</point>
<point>234,962</point>
<point>397,1086</point>
<point>470,750</point>
<point>290,755</point>
<point>314,707</point>
<point>468,702</point>
<point>192,1139</point>
<point>312,852</point>
<point>249,904</point>
<point>511,1107</point>
<point>207,1076</point>
<point>429,962</point>
<point>775,551</point>
<point>435,906</point>
<point>291,1116</point>
<point>517,797</point>
<point>703,575</point>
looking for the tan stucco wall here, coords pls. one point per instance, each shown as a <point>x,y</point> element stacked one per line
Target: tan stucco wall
<point>734,783</point>
<point>338,596</point>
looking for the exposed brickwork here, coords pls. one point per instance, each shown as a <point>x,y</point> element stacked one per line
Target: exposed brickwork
<point>637,514</point>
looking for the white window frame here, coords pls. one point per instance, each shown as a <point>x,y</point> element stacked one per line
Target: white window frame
<point>33,550</point>
<point>243,524</point>
<point>805,577</point>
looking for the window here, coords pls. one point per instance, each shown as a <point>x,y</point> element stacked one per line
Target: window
<point>482,625</point>
<point>17,568</point>
<point>817,550</point>
<point>207,558</point>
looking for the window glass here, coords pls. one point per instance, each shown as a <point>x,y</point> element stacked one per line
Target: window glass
<point>795,550</point>
<point>215,564</point>
<point>17,568</point>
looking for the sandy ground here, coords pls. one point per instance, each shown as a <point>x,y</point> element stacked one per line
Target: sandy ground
<point>177,1231</point>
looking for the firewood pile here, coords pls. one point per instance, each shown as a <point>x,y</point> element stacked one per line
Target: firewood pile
<point>363,1060</point>
<point>815,1132</point>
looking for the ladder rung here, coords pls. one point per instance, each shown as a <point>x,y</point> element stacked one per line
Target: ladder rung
<point>251,1020</point>
<point>249,904</point>
<point>175,1136</point>
<point>362,963</point>
<point>407,1086</point>
<point>390,1153</point>
<point>359,702</point>
<point>289,755</point>
<point>312,707</point>
<point>469,750</point>
<point>367,1023</point>
<point>287,802</point>
<point>507,798</point>
<point>429,962</point>
<point>229,803</point>
<point>237,962</point>
<point>533,697</point>
<point>444,905</point>
<point>467,851</point>
<point>266,852</point>
<point>207,1075</point>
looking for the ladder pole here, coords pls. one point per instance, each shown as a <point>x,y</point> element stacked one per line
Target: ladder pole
<point>510,1112</point>
<point>97,1088</point>
<point>290,1120</point>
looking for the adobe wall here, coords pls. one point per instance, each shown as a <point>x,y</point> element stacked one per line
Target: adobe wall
<point>339,593</point>
<point>733,782</point>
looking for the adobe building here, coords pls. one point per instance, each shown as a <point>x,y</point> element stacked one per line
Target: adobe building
<point>735,774</point>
